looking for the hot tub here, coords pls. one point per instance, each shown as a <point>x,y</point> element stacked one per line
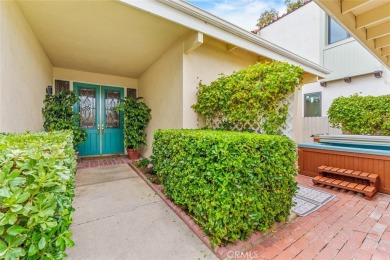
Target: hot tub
<point>356,152</point>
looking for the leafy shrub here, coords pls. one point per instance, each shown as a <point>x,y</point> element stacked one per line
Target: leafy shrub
<point>232,183</point>
<point>36,192</point>
<point>256,94</point>
<point>356,114</point>
<point>137,117</point>
<point>59,115</point>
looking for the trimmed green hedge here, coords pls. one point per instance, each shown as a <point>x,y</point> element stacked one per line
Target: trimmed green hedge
<point>364,115</point>
<point>232,183</point>
<point>36,192</point>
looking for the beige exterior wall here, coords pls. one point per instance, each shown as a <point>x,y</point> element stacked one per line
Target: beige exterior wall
<point>363,85</point>
<point>25,72</point>
<point>206,64</point>
<point>161,85</point>
<point>93,78</point>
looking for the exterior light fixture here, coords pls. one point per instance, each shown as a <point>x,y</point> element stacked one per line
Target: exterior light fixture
<point>378,74</point>
<point>49,90</point>
<point>323,83</point>
<point>347,79</point>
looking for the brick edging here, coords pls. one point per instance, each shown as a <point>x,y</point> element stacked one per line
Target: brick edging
<point>220,252</point>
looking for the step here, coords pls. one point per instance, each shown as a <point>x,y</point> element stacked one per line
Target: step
<point>352,186</point>
<point>350,173</point>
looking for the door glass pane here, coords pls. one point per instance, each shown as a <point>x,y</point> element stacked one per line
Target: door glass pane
<point>61,86</point>
<point>131,92</point>
<point>112,116</point>
<point>87,107</point>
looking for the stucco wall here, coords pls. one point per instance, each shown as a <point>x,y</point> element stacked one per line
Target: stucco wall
<point>206,63</point>
<point>25,72</point>
<point>93,78</point>
<point>161,85</point>
<point>363,85</point>
<point>298,32</point>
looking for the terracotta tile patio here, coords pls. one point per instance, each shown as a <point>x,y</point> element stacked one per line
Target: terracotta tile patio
<point>348,227</point>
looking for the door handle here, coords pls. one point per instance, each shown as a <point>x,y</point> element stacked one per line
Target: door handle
<point>102,127</point>
<point>98,128</point>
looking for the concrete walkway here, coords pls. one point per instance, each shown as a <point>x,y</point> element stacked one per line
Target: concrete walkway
<point>119,217</point>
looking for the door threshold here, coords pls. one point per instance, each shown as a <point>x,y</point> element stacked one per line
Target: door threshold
<point>103,156</point>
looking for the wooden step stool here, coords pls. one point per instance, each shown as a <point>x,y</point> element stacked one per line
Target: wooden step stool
<point>363,182</point>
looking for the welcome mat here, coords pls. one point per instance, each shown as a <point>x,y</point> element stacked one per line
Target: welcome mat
<point>308,200</point>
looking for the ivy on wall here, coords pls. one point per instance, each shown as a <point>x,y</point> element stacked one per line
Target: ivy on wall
<point>251,98</point>
<point>59,115</point>
<point>356,114</point>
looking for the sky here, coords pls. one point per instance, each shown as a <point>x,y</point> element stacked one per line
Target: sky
<point>243,13</point>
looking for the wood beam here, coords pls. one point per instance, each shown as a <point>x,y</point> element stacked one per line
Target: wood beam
<point>386,51</point>
<point>333,8</point>
<point>309,78</point>
<point>378,30</point>
<point>350,5</point>
<point>374,16</point>
<point>230,47</point>
<point>193,41</point>
<point>263,59</point>
<point>382,42</point>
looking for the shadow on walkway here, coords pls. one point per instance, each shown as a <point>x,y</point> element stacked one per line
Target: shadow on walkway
<point>119,217</point>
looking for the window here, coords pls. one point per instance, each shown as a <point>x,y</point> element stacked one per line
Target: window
<point>131,92</point>
<point>61,86</point>
<point>336,32</point>
<point>312,104</point>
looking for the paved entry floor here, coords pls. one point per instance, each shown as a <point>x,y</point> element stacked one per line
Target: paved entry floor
<point>119,217</point>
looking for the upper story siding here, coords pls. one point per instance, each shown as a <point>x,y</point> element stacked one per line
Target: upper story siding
<point>297,32</point>
<point>304,32</point>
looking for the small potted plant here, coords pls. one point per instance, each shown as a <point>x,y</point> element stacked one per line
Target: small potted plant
<point>59,115</point>
<point>136,118</point>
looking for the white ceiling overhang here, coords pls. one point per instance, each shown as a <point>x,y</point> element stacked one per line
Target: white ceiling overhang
<point>106,37</point>
<point>367,20</point>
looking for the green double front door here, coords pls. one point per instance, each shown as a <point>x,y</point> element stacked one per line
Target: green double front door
<point>99,117</point>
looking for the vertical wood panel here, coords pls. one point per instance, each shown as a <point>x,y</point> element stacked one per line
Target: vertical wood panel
<point>386,176</point>
<point>316,125</point>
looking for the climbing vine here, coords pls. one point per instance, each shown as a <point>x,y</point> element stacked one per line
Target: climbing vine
<point>252,98</point>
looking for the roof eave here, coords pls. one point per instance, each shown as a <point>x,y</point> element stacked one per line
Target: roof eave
<point>348,20</point>
<point>205,19</point>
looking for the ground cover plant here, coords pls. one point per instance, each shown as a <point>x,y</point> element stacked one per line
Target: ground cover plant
<point>146,166</point>
<point>361,115</point>
<point>231,183</point>
<point>36,192</point>
<point>252,98</point>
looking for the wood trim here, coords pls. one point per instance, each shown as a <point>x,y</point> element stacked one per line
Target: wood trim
<point>361,155</point>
